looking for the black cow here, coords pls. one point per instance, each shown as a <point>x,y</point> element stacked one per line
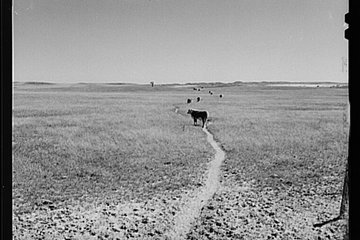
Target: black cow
<point>196,114</point>
<point>211,93</point>
<point>189,100</point>
<point>221,95</point>
<point>198,99</point>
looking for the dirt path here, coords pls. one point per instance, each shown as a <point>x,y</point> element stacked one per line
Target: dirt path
<point>190,211</point>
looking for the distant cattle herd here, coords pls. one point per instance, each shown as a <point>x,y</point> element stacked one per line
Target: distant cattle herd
<point>198,114</point>
<point>189,100</point>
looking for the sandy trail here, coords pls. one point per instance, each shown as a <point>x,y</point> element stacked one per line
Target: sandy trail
<point>188,214</point>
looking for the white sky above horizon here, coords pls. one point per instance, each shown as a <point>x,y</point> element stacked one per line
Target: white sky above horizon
<point>175,41</point>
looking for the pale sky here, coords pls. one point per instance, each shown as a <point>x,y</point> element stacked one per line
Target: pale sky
<point>179,41</point>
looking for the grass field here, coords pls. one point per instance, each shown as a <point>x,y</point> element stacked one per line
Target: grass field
<point>286,152</point>
<point>71,144</point>
<point>297,135</point>
<point>122,143</point>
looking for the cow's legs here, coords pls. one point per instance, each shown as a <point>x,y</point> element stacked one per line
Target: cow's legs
<point>204,122</point>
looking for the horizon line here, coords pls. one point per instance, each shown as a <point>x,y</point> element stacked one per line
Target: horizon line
<point>190,83</point>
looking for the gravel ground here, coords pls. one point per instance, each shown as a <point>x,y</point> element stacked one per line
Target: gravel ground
<point>233,213</point>
<point>105,219</point>
<point>249,213</point>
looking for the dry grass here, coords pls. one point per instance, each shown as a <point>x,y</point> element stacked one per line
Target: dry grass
<point>79,144</point>
<point>286,150</point>
<point>286,153</point>
<point>297,136</point>
<point>76,142</point>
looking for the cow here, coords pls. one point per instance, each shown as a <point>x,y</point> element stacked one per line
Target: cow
<point>211,93</point>
<point>221,95</point>
<point>195,89</point>
<point>198,99</point>
<point>189,100</point>
<point>196,114</point>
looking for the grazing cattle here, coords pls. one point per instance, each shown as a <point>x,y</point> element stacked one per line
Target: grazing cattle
<point>189,100</point>
<point>196,114</point>
<point>195,89</point>
<point>198,99</point>
<point>211,93</point>
<point>221,95</point>
<point>198,89</point>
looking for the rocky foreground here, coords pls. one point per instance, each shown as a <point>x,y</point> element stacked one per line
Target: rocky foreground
<point>98,220</point>
<point>246,214</point>
<point>233,213</point>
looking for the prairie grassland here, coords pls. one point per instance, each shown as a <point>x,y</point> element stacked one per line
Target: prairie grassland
<point>296,135</point>
<point>286,153</point>
<point>72,144</point>
<point>286,149</point>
